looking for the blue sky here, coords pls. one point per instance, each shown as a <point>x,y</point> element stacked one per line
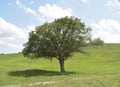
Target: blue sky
<point>19,17</point>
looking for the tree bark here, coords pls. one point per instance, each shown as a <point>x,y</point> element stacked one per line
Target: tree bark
<point>61,61</point>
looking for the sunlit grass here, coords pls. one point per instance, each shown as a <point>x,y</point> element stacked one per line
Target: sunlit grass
<point>100,68</point>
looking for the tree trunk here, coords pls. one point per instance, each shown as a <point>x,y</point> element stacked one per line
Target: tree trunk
<point>61,61</point>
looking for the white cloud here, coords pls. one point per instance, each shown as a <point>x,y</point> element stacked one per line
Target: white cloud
<point>27,10</point>
<point>47,12</point>
<point>28,29</point>
<point>50,12</point>
<point>31,27</point>
<point>84,1</point>
<point>108,30</point>
<point>11,37</point>
<point>19,3</point>
<point>30,11</point>
<point>113,3</point>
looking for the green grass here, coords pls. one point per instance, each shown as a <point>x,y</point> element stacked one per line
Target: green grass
<point>100,68</point>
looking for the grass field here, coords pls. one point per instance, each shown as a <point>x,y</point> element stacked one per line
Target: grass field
<point>101,68</point>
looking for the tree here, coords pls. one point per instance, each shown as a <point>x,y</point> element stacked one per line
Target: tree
<point>96,42</point>
<point>58,39</point>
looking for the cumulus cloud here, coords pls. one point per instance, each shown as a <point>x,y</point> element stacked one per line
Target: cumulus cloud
<point>11,37</point>
<point>108,30</point>
<point>114,3</point>
<point>27,10</point>
<point>46,13</point>
<point>49,12</point>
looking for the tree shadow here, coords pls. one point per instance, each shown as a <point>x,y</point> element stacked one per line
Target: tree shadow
<point>37,72</point>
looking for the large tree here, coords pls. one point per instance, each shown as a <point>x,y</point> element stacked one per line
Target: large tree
<point>58,39</point>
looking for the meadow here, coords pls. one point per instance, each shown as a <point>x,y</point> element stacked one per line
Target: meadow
<point>99,68</point>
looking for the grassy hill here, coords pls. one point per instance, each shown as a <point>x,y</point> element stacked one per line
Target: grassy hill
<point>100,68</point>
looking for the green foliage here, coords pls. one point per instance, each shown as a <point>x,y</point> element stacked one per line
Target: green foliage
<point>97,42</point>
<point>58,39</point>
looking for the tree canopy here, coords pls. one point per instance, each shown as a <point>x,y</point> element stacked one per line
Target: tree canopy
<point>58,39</point>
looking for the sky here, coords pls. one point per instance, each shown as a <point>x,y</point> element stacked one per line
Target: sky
<point>19,17</point>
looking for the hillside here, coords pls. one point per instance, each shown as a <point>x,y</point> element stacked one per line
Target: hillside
<point>99,68</point>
